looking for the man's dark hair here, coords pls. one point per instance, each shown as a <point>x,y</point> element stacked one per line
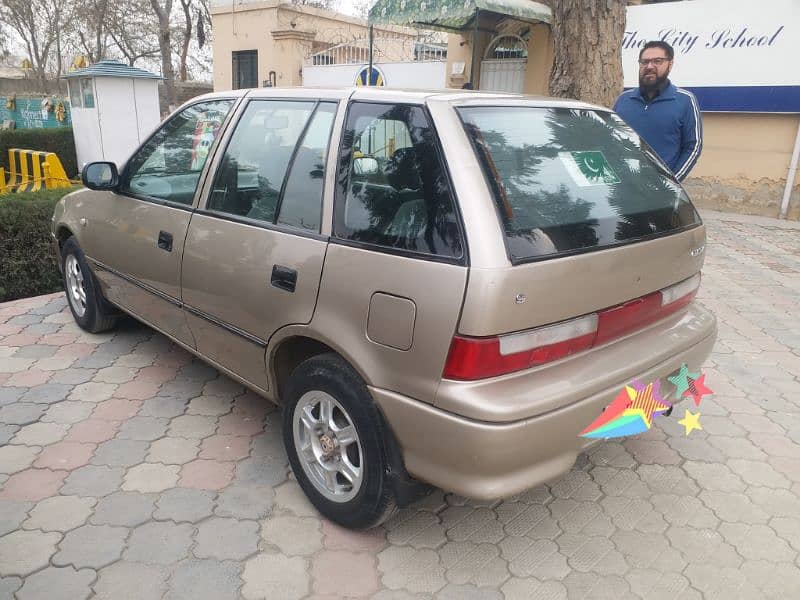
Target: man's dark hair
<point>658,44</point>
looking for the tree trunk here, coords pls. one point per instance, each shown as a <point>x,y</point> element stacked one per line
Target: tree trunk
<point>165,46</point>
<point>587,39</point>
<point>187,37</point>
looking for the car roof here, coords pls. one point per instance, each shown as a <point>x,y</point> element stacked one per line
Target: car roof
<point>382,94</point>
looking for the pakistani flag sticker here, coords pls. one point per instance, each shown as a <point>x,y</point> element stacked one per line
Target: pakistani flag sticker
<point>588,168</point>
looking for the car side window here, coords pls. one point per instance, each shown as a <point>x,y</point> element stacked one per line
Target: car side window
<point>250,177</point>
<point>301,204</point>
<point>168,166</point>
<point>392,188</point>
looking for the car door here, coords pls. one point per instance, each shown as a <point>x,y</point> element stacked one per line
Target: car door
<point>254,254</point>
<point>396,267</point>
<point>135,235</point>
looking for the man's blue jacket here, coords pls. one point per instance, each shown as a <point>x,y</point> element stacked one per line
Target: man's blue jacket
<point>670,124</point>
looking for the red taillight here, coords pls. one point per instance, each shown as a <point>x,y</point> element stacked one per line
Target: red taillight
<point>479,358</point>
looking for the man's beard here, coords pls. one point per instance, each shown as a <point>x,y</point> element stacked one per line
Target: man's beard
<point>653,85</point>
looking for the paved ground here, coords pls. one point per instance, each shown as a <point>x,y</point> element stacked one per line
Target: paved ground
<point>129,470</point>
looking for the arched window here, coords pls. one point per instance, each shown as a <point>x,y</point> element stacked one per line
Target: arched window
<point>506,46</point>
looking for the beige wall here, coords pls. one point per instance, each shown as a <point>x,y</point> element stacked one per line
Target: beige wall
<point>745,162</point>
<point>285,34</point>
<point>540,53</point>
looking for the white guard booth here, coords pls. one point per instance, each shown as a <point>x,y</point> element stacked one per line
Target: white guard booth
<point>114,108</point>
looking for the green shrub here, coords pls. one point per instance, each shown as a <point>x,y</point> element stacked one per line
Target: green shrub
<point>28,264</point>
<point>60,141</point>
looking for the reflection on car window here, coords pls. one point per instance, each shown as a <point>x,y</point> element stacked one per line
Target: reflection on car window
<point>392,189</point>
<point>569,180</point>
<point>301,204</point>
<point>168,166</point>
<point>251,174</point>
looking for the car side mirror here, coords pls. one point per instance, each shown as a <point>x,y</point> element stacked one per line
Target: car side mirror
<point>365,165</point>
<point>100,176</point>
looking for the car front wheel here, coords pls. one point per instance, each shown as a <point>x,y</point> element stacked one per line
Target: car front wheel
<point>89,308</point>
<point>332,431</point>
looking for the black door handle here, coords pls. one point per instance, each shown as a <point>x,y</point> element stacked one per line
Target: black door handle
<point>165,241</point>
<point>284,278</point>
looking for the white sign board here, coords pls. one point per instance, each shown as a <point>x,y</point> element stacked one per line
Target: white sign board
<point>735,55</point>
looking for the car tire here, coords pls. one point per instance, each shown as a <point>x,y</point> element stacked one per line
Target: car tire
<point>339,457</point>
<point>90,310</point>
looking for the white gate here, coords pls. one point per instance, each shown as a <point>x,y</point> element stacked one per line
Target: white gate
<point>504,64</point>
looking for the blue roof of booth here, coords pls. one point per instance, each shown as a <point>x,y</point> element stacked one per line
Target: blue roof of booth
<point>113,68</point>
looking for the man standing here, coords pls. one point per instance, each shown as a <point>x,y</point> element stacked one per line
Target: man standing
<point>666,116</point>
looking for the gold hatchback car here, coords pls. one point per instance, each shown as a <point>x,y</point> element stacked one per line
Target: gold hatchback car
<point>440,287</point>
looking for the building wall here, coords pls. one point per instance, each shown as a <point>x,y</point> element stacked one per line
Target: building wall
<point>745,162</point>
<point>285,34</point>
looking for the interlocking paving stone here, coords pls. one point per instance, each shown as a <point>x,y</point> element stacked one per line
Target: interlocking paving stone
<point>21,413</point>
<point>12,514</point>
<point>36,350</point>
<point>275,576</point>
<point>120,453</point>
<point>126,509</point>
<point>9,585</point>
<point>184,505</point>
<point>9,394</point>
<point>165,407</point>
<point>261,471</point>
<point>60,513</point>
<point>93,546</point>
<point>415,570</point>
<point>159,543</point>
<point>757,542</point>
<point>292,535</point>
<point>56,583</point>
<point>199,579</point>
<point>32,484</point>
<point>289,497</point>
<point>206,474</point>
<point>7,433</point>
<point>150,477</point>
<point>92,391</point>
<point>126,580</point>
<point>143,428</point>
<point>17,458</point>
<point>23,552</point>
<point>65,455</point>
<point>193,426</point>
<point>210,406</point>
<point>532,589</point>
<point>72,377</point>
<point>226,539</point>
<point>67,412</point>
<point>338,572</point>
<point>40,434</point>
<point>245,501</point>
<point>173,451</point>
<point>93,480</point>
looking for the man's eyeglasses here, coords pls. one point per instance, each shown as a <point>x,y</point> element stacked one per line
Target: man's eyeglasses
<point>655,61</point>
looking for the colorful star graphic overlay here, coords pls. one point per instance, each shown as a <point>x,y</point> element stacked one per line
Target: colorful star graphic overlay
<point>691,421</point>
<point>681,380</point>
<point>647,402</point>
<point>697,389</point>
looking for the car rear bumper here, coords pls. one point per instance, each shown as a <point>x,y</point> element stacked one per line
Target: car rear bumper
<point>488,460</point>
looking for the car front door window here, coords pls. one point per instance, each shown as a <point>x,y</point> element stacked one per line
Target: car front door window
<point>168,166</point>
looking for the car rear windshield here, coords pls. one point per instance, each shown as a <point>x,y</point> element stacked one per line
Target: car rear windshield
<point>568,180</point>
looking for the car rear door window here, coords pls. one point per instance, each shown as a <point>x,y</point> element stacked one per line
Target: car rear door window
<point>168,165</point>
<point>392,188</point>
<point>301,203</point>
<point>250,177</point>
<point>572,180</point>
